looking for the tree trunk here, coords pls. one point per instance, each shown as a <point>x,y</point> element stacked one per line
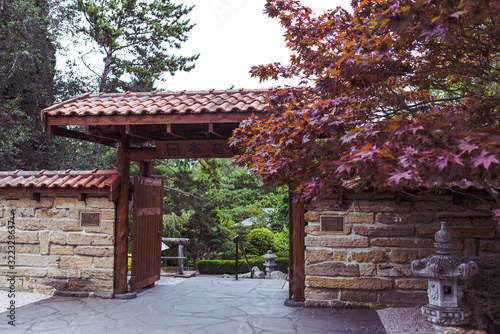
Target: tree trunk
<point>105,72</point>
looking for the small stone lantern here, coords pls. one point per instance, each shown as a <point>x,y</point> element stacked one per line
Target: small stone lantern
<point>444,271</point>
<point>269,262</point>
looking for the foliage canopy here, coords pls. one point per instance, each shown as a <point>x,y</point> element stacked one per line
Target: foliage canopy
<point>136,39</point>
<point>393,94</point>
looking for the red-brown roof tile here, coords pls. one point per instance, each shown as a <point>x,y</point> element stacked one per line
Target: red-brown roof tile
<point>96,179</point>
<point>184,102</point>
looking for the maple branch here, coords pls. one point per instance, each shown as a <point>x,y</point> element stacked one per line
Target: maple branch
<point>398,97</point>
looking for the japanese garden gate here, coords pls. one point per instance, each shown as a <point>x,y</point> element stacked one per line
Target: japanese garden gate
<point>171,125</point>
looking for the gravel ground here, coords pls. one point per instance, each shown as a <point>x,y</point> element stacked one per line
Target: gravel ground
<point>405,321</point>
<point>395,320</point>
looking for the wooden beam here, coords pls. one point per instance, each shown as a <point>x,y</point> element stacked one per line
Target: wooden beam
<point>171,132</point>
<point>203,118</point>
<point>290,244</point>
<point>298,260</point>
<point>121,224</point>
<point>100,132</point>
<point>212,131</point>
<point>184,149</point>
<point>142,133</point>
<point>63,132</point>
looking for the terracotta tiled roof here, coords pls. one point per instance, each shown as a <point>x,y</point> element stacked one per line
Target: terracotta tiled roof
<point>184,102</point>
<point>107,180</point>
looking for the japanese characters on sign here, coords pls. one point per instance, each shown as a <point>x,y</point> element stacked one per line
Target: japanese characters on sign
<point>196,149</point>
<point>92,219</point>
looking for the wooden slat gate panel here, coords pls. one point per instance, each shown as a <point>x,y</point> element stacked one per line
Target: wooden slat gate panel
<point>146,232</point>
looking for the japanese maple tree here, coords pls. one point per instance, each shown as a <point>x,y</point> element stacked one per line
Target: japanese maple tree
<point>391,94</point>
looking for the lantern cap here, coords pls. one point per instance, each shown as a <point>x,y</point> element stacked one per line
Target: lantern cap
<point>269,255</point>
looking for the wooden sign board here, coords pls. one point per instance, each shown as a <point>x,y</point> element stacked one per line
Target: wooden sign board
<point>185,149</point>
<point>90,219</point>
<point>332,224</point>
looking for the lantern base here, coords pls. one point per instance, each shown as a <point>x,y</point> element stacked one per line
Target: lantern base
<point>442,317</point>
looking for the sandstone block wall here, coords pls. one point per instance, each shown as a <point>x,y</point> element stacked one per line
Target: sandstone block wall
<point>369,265</point>
<point>53,252</point>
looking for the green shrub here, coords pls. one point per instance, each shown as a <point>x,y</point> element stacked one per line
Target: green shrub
<point>281,264</point>
<point>281,241</point>
<point>282,254</point>
<point>228,266</point>
<point>259,241</point>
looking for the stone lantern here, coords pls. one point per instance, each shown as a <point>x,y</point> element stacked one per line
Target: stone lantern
<point>445,272</point>
<point>269,262</point>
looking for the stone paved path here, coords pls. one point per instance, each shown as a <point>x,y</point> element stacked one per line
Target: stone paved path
<point>203,304</point>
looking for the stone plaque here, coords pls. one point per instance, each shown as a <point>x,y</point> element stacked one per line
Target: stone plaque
<point>88,218</point>
<point>333,224</point>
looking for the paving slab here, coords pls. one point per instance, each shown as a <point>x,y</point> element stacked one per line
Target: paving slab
<point>202,304</point>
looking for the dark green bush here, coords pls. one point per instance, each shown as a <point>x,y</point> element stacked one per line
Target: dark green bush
<point>228,266</point>
<point>259,241</point>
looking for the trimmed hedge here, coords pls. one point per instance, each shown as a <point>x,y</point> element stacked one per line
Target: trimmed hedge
<point>229,266</point>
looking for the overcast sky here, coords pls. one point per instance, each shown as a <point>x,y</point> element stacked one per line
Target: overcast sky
<point>231,36</point>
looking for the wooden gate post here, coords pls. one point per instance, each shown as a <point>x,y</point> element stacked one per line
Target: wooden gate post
<point>121,227</point>
<point>297,256</point>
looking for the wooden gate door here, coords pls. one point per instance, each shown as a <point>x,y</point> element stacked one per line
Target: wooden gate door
<point>146,232</point>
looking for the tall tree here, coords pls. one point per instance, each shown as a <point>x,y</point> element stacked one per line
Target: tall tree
<point>29,82</point>
<point>27,67</point>
<point>208,197</point>
<point>136,39</point>
<point>394,93</point>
